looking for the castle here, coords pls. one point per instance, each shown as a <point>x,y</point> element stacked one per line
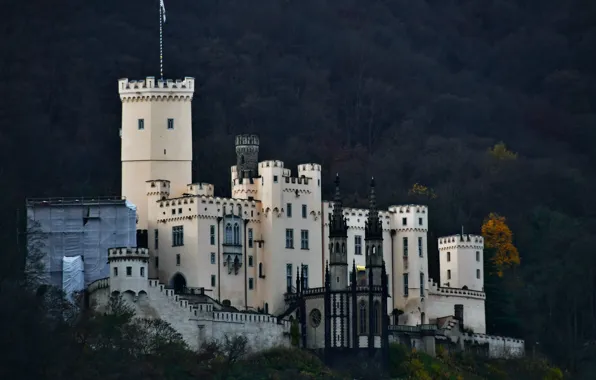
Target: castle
<point>276,251</point>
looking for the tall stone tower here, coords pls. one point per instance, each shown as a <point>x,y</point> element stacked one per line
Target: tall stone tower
<point>338,238</point>
<point>373,237</point>
<point>156,137</point>
<point>247,156</point>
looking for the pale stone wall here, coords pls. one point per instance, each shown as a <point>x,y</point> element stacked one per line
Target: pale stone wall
<point>414,226</point>
<point>151,150</point>
<point>461,259</point>
<point>202,323</point>
<point>498,346</point>
<point>441,303</point>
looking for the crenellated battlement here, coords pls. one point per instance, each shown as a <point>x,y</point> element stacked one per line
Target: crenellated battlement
<point>309,167</point>
<point>207,311</point>
<point>435,289</point>
<point>159,187</point>
<point>201,188</point>
<point>152,89</point>
<point>271,164</point>
<point>247,139</point>
<point>128,253</point>
<point>408,209</point>
<point>204,207</point>
<point>461,241</point>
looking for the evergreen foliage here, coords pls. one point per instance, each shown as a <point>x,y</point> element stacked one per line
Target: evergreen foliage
<point>410,91</point>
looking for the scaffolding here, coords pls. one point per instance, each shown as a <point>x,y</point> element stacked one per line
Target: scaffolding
<point>86,227</point>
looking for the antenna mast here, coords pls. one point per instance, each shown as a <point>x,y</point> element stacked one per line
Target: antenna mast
<point>162,20</point>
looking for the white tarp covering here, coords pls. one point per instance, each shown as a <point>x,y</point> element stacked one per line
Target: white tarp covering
<point>73,275</point>
<point>84,228</point>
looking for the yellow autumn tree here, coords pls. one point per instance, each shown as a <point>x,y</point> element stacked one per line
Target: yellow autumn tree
<point>499,238</point>
<point>423,191</point>
<point>500,152</point>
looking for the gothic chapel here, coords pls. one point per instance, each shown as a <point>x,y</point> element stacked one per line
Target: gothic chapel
<point>346,319</point>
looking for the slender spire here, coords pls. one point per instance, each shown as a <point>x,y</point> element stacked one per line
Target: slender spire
<point>374,230</point>
<point>338,225</point>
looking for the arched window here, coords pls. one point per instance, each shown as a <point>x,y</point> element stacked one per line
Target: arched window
<point>242,160</point>
<point>337,247</point>
<point>343,247</point>
<point>377,318</point>
<point>380,250</point>
<point>374,250</point>
<point>229,234</point>
<point>236,233</point>
<point>260,269</point>
<point>362,318</point>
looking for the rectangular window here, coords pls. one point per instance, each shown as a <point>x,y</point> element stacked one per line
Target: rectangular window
<point>405,241</point>
<point>250,238</point>
<point>449,274</point>
<point>170,123</point>
<point>421,284</point>
<point>305,276</point>
<point>358,245</point>
<point>304,211</point>
<point>274,179</point>
<point>141,124</point>
<point>289,212</point>
<point>419,221</point>
<point>129,271</point>
<point>142,272</point>
<point>156,238</point>
<point>289,238</point>
<point>157,262</point>
<point>404,221</point>
<point>289,277</point>
<point>304,239</point>
<point>178,259</point>
<point>478,273</point>
<point>448,256</point>
<point>251,283</point>
<point>177,236</point>
<point>115,271</point>
<point>250,261</point>
<point>212,234</point>
<point>212,257</point>
<point>420,247</point>
<point>212,280</point>
<point>478,256</point>
<point>406,289</point>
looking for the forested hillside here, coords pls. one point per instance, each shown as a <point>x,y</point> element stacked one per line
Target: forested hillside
<point>410,91</point>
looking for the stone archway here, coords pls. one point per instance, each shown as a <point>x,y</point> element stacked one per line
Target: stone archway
<point>178,283</point>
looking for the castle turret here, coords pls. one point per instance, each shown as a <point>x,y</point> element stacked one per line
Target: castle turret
<point>156,137</point>
<point>461,259</point>
<point>373,237</point>
<point>128,269</point>
<point>338,236</point>
<point>247,156</point>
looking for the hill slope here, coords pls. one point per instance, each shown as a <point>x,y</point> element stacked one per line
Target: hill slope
<point>408,91</point>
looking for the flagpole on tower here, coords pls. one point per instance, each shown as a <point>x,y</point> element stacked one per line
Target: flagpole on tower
<point>162,20</point>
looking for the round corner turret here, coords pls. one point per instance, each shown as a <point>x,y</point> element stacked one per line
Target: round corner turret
<point>128,269</point>
<point>247,156</point>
